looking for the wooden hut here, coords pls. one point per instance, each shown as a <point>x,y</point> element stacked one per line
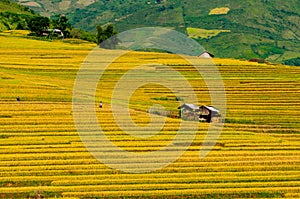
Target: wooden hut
<point>189,112</point>
<point>209,114</point>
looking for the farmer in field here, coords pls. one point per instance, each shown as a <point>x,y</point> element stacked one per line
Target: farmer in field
<point>100,105</point>
<point>18,98</point>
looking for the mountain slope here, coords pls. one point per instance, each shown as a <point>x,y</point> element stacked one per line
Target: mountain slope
<point>267,29</point>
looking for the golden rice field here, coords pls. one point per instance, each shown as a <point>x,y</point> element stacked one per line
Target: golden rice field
<point>41,153</point>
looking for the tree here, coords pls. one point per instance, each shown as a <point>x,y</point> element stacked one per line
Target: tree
<point>38,24</point>
<point>106,37</point>
<point>109,31</point>
<point>100,35</point>
<point>61,22</point>
<point>20,26</point>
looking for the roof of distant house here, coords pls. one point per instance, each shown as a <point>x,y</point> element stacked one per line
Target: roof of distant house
<point>206,54</point>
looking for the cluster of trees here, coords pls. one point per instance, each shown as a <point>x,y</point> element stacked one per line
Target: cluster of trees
<point>55,27</point>
<point>38,24</point>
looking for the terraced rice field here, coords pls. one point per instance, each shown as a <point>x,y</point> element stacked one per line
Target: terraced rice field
<point>41,152</point>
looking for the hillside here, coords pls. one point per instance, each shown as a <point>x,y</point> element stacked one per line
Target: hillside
<point>13,15</point>
<point>43,153</point>
<point>267,29</point>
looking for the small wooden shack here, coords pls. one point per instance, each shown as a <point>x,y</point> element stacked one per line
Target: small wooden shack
<point>189,112</point>
<point>209,114</point>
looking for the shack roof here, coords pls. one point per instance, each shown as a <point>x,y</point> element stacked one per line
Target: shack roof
<point>190,106</point>
<point>211,108</point>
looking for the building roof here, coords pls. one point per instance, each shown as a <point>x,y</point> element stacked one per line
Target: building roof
<point>211,108</point>
<point>206,54</point>
<point>190,106</point>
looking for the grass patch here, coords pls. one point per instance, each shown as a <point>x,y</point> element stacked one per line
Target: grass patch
<point>203,33</point>
<point>219,11</point>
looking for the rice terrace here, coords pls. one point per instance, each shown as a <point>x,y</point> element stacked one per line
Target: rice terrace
<point>42,156</point>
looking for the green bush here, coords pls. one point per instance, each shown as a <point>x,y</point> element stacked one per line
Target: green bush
<point>292,62</point>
